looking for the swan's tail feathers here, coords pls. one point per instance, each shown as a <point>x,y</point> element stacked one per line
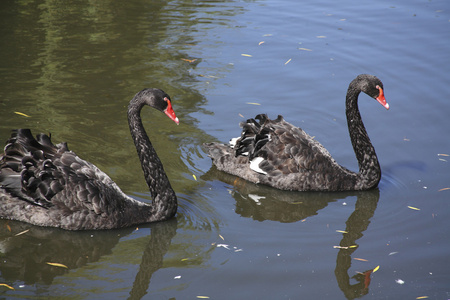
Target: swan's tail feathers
<point>217,150</point>
<point>27,170</point>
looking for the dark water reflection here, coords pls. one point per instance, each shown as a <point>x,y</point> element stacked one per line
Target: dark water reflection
<point>28,252</point>
<point>263,203</point>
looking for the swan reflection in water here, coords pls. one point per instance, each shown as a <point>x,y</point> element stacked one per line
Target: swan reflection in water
<point>264,203</point>
<point>26,251</point>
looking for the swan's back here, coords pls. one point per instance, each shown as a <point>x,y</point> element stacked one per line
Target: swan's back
<point>49,185</point>
<point>276,153</point>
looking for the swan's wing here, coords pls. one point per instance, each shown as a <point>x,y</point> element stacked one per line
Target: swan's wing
<point>44,174</point>
<point>272,148</point>
<point>277,147</point>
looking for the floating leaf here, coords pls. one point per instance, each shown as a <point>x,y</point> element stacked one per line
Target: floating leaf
<point>8,286</point>
<point>246,55</point>
<point>422,297</point>
<point>444,189</point>
<point>21,114</point>
<point>240,115</point>
<point>224,246</point>
<point>202,297</point>
<point>22,232</point>
<point>413,208</point>
<point>189,60</point>
<point>57,265</point>
<point>195,177</point>
<point>442,154</point>
<point>376,269</point>
<point>253,103</point>
<point>360,259</point>
<point>304,49</point>
<point>288,61</point>
<point>321,36</point>
<point>341,231</point>
<point>221,237</point>
<point>260,43</point>
<point>184,259</point>
<point>177,277</point>
<point>343,247</point>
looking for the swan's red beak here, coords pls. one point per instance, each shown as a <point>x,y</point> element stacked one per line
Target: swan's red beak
<point>381,98</point>
<point>170,113</point>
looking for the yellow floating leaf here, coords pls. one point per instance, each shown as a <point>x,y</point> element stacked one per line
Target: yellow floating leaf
<point>341,231</point>
<point>247,55</point>
<point>22,232</point>
<point>442,154</point>
<point>414,208</point>
<point>184,259</point>
<point>253,103</point>
<point>304,49</point>
<point>288,61</point>
<point>8,227</point>
<point>260,43</point>
<point>8,286</point>
<point>57,265</point>
<point>189,60</point>
<point>202,297</point>
<point>221,237</point>
<point>21,114</point>
<point>360,259</point>
<point>444,189</point>
<point>195,177</point>
<point>376,269</point>
<point>353,246</point>
<point>422,297</point>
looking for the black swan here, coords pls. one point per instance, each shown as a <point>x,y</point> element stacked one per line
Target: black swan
<point>48,185</point>
<point>278,154</point>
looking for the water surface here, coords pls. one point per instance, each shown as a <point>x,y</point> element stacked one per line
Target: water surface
<point>73,67</point>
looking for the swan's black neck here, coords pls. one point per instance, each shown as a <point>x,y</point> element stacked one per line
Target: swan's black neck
<point>164,198</point>
<point>369,168</point>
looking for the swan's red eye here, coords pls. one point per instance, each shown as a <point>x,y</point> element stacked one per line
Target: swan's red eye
<point>381,98</point>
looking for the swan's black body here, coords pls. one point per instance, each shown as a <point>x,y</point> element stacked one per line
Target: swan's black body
<point>48,185</point>
<point>276,153</point>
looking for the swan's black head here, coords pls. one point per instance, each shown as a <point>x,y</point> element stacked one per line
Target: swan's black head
<point>372,86</point>
<point>158,99</point>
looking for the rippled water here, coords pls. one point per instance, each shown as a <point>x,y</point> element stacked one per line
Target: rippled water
<point>72,68</point>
